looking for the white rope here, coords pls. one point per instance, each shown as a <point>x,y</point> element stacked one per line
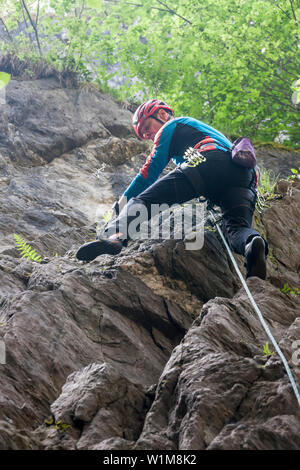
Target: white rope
<point>257,310</point>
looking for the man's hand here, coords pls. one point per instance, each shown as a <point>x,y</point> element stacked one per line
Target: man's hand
<point>118,205</point>
<point>115,209</point>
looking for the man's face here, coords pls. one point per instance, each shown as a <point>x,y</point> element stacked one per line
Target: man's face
<point>150,127</point>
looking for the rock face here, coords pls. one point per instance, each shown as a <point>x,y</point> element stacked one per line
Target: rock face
<point>64,159</point>
<point>218,391</point>
<point>157,348</point>
<point>102,404</point>
<point>277,160</point>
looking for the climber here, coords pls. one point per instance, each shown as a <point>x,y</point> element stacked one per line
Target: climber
<point>218,178</point>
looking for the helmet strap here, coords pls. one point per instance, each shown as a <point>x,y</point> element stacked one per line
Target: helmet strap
<point>156,119</point>
<point>159,120</point>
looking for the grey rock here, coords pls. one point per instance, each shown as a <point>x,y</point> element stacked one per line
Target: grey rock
<point>214,394</point>
<point>276,433</point>
<point>282,231</point>
<point>12,438</point>
<point>277,160</point>
<point>102,403</point>
<point>114,443</point>
<point>60,151</point>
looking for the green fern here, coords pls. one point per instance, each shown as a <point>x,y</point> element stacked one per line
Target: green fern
<point>26,250</point>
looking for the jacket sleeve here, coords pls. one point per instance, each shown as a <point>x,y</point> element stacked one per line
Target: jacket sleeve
<point>155,162</point>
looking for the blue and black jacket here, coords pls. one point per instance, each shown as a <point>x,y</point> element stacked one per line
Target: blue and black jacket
<point>171,142</point>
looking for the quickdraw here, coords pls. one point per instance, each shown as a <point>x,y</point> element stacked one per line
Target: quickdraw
<point>193,157</point>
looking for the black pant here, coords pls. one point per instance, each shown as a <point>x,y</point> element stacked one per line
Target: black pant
<point>223,182</point>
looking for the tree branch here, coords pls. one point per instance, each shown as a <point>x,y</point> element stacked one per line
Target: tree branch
<point>136,5</point>
<point>271,66</point>
<point>293,11</point>
<point>23,14</point>
<point>37,13</point>
<point>174,12</point>
<point>274,98</point>
<point>167,9</point>
<point>6,30</point>
<point>34,26</point>
<point>82,9</point>
<point>279,7</point>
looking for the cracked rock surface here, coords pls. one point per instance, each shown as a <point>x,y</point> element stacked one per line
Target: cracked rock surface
<point>156,348</point>
<point>218,391</point>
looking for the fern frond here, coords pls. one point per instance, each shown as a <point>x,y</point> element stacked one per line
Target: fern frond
<point>25,249</point>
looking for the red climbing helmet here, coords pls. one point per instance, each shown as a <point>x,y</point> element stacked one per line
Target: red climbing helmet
<point>146,110</point>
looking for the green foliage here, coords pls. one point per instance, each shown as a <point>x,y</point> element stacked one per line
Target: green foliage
<point>231,64</point>
<point>295,174</point>
<point>267,184</point>
<point>107,216</point>
<point>271,256</point>
<point>266,350</point>
<point>60,425</point>
<point>4,79</point>
<point>286,289</point>
<point>26,250</point>
<point>266,189</point>
<point>50,421</point>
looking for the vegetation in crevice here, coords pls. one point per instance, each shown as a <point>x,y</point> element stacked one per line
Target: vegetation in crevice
<point>25,249</point>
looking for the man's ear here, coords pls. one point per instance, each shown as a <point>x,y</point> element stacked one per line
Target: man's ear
<point>163,115</point>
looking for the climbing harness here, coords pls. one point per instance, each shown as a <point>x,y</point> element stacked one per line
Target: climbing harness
<point>257,310</point>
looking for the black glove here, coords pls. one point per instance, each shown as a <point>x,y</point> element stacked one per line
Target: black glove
<point>116,208</point>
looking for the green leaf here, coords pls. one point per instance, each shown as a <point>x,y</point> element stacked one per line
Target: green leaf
<point>26,250</point>
<point>96,4</point>
<point>237,89</point>
<point>266,350</point>
<point>4,79</point>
